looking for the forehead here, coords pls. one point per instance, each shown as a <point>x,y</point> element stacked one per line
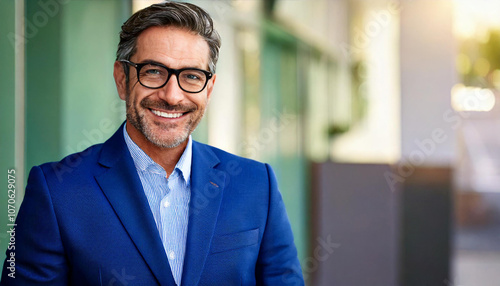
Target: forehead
<point>172,46</point>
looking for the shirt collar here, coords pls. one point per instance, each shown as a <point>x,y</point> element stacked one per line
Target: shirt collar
<point>144,163</point>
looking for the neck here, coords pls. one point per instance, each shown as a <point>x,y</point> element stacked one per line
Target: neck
<point>165,157</point>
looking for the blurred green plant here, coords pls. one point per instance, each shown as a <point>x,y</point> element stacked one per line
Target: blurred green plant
<point>336,129</point>
<point>478,62</point>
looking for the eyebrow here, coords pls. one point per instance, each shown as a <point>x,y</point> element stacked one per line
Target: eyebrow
<point>149,61</point>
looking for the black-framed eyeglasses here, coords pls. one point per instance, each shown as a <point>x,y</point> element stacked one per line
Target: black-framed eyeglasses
<point>154,76</point>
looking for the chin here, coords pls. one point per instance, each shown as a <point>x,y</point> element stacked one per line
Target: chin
<point>167,142</point>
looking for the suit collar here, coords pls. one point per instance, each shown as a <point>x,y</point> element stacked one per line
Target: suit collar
<point>113,149</point>
<point>122,187</point>
<point>143,162</point>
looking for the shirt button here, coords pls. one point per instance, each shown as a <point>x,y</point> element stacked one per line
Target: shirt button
<point>171,255</point>
<point>166,204</point>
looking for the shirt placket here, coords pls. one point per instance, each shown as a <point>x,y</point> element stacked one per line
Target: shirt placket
<point>171,226</point>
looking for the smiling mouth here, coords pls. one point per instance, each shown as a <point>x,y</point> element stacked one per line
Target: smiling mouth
<point>165,114</point>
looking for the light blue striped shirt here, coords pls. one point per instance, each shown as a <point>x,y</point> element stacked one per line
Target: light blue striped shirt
<point>168,199</point>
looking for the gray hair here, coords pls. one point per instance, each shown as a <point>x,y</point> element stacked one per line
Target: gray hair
<point>182,15</point>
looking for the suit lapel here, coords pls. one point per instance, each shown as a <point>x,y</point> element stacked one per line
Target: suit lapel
<point>207,185</point>
<point>123,189</point>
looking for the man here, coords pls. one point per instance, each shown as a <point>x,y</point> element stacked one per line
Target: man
<point>150,206</point>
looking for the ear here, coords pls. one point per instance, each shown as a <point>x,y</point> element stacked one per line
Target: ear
<point>120,79</point>
<point>210,86</point>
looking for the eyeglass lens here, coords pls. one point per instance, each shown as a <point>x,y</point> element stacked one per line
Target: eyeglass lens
<point>154,76</point>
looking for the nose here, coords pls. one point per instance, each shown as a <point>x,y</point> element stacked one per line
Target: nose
<point>171,92</point>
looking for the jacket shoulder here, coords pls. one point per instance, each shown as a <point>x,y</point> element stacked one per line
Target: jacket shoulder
<point>74,164</point>
<point>227,158</point>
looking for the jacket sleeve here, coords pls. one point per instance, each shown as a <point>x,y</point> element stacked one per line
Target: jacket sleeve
<point>37,246</point>
<point>277,262</point>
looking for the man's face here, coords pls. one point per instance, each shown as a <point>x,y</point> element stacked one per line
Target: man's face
<point>166,116</point>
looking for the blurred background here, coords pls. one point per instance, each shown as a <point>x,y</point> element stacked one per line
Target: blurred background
<point>379,118</point>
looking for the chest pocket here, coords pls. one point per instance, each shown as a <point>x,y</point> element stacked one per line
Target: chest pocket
<point>234,240</point>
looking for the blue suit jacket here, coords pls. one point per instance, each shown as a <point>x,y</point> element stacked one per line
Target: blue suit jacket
<point>86,221</point>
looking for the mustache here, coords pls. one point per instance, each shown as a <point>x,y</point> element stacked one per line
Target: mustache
<point>163,105</point>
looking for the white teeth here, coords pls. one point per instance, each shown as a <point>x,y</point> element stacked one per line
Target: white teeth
<point>166,115</point>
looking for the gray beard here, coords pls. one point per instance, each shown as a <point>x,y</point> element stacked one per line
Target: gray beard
<point>138,122</point>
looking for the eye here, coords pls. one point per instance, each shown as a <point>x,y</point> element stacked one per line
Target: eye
<point>152,71</point>
<point>192,76</point>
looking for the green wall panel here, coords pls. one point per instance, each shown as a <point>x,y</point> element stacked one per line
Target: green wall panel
<point>71,100</point>
<point>91,109</point>
<point>43,84</point>
<point>281,107</point>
